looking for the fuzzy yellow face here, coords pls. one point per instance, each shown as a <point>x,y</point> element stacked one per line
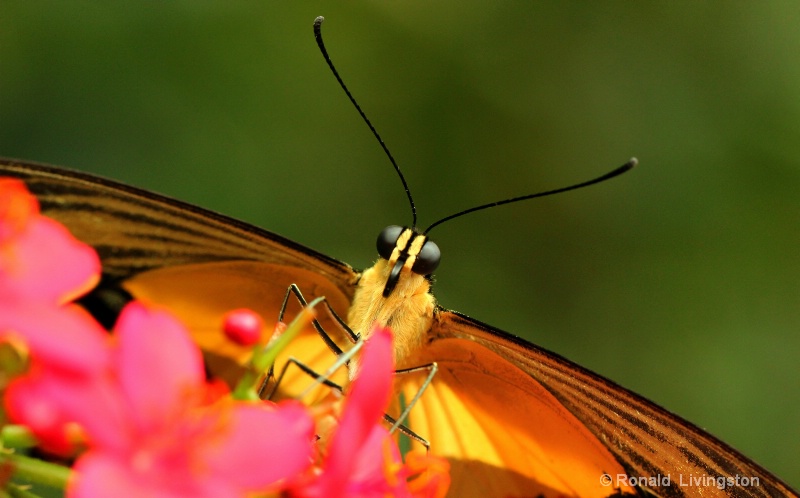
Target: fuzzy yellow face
<point>393,294</point>
<point>408,310</point>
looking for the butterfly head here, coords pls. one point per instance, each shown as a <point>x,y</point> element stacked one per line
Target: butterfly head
<point>406,250</point>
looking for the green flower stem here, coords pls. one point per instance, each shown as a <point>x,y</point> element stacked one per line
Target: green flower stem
<point>37,471</point>
<point>264,358</point>
<point>17,436</point>
<point>19,492</point>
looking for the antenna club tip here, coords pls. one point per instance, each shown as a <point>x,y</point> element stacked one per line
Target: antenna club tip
<point>632,163</point>
<point>319,20</point>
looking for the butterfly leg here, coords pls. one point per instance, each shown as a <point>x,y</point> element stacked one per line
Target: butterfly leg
<point>431,368</point>
<point>396,424</point>
<point>303,367</point>
<point>294,290</point>
<point>323,378</point>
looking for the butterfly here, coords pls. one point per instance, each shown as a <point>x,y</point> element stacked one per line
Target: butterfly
<point>512,418</point>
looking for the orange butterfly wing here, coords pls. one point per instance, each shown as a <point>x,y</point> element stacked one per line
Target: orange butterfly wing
<point>647,439</point>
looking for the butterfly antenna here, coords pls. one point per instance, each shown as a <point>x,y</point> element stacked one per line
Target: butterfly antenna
<point>318,35</point>
<point>622,169</point>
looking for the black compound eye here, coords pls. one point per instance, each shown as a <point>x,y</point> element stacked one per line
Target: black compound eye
<point>427,259</point>
<point>388,239</point>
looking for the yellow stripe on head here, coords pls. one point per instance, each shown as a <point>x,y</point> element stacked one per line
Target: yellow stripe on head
<point>400,245</point>
<point>413,251</point>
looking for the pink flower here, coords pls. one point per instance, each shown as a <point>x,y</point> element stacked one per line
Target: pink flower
<point>362,458</point>
<point>42,268</point>
<point>228,453</point>
<point>151,432</point>
<point>149,426</point>
<point>39,259</point>
<point>34,400</point>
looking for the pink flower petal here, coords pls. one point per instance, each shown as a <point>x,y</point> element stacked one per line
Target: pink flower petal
<point>46,263</point>
<point>264,444</point>
<point>369,474</point>
<point>46,398</point>
<point>366,400</point>
<point>248,449</point>
<point>160,369</point>
<point>63,337</point>
<point>27,402</point>
<point>102,474</point>
<point>42,266</point>
<point>96,475</point>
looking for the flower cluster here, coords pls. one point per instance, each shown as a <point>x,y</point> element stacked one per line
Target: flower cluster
<point>136,412</point>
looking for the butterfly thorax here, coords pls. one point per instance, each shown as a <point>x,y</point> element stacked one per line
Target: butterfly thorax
<point>407,311</point>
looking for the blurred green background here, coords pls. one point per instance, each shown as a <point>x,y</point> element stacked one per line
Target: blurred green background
<point>679,280</point>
